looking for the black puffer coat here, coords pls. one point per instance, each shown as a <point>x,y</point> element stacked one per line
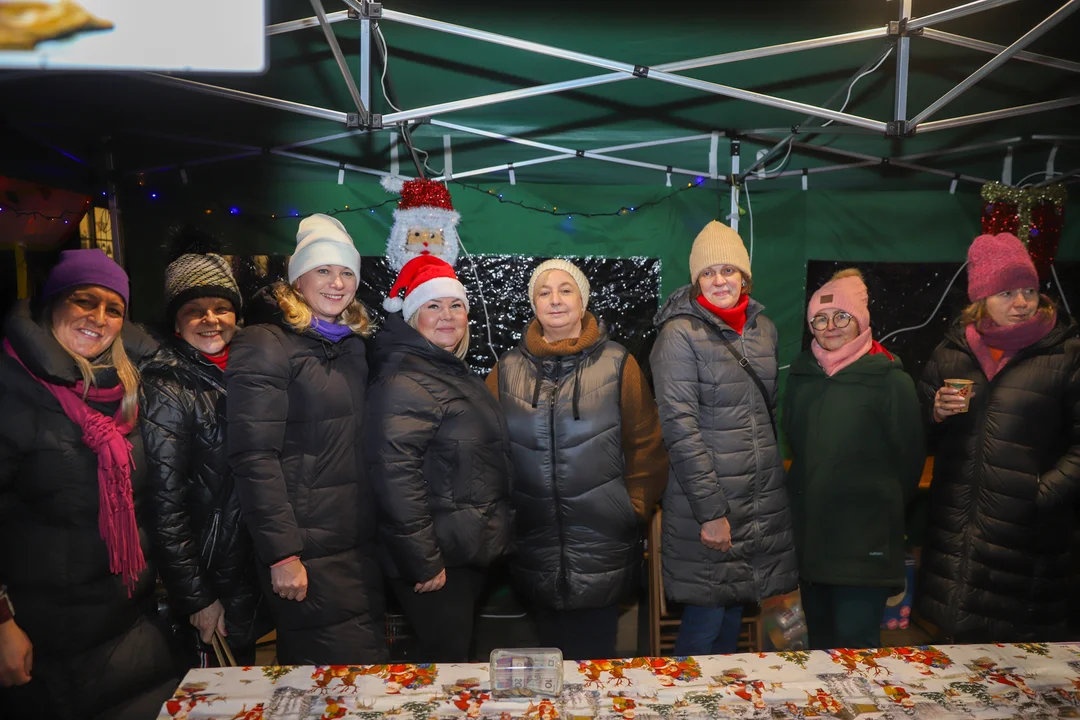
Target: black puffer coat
<point>995,564</point>
<point>202,547</point>
<point>438,456</point>
<point>295,439</point>
<point>98,652</point>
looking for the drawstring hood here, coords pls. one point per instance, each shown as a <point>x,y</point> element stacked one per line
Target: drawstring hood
<point>577,386</point>
<point>541,352</point>
<point>536,386</point>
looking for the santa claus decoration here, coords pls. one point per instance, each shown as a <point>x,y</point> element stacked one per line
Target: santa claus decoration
<point>425,222</point>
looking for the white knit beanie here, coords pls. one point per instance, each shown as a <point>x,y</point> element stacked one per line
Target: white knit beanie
<point>717,244</point>
<point>322,240</point>
<point>567,267</point>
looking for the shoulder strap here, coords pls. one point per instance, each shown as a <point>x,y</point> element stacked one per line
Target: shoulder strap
<point>745,365</point>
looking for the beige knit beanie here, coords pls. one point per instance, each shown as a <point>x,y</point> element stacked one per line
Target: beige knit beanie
<point>569,268</point>
<point>717,244</point>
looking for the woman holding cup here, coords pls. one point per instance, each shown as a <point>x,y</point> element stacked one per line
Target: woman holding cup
<point>1003,393</point>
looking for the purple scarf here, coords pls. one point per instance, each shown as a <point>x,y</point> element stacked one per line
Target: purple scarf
<point>331,331</point>
<point>987,334</point>
<point>107,438</point>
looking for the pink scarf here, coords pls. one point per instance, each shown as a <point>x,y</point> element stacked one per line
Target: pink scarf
<point>107,438</point>
<point>833,361</point>
<point>987,334</point>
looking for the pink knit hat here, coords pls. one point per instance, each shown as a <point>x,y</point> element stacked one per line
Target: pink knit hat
<point>847,294</point>
<point>997,263</point>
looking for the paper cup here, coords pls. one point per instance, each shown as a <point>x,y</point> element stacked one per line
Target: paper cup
<point>963,388</point>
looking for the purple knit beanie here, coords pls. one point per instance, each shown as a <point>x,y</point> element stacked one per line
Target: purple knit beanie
<point>85,267</point>
<point>997,263</point>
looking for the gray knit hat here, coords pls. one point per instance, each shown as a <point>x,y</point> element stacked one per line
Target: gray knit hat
<point>193,276</point>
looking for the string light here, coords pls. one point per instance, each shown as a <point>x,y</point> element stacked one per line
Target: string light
<point>553,210</point>
<point>9,208</point>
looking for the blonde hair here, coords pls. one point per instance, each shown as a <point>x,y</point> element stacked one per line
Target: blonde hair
<point>848,272</point>
<point>298,312</point>
<point>462,348</point>
<point>977,311</point>
<point>114,357</point>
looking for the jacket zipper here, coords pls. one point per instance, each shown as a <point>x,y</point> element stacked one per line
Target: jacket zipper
<point>758,590</point>
<point>977,485</point>
<point>561,584</point>
<point>211,539</point>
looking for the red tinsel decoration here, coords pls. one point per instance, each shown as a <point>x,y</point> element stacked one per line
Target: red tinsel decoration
<point>1045,234</point>
<point>1000,217</point>
<point>1035,215</point>
<point>424,193</point>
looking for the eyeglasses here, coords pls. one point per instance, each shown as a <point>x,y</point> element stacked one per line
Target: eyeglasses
<point>839,320</point>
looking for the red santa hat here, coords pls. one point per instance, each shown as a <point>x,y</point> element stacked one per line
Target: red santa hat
<point>422,279</point>
<point>424,204</point>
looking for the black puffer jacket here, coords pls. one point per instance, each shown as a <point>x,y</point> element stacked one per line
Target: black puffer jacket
<point>438,456</point>
<point>201,545</point>
<point>98,652</point>
<point>995,564</point>
<point>295,439</point>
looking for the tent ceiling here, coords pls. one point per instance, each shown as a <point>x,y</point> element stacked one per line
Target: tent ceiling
<point>74,111</point>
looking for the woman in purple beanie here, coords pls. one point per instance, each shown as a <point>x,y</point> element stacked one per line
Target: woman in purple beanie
<point>78,634</point>
<point>996,560</point>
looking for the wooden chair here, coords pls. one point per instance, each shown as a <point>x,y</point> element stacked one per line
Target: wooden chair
<point>664,625</point>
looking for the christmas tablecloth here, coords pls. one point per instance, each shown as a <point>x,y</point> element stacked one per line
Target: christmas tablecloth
<point>943,681</point>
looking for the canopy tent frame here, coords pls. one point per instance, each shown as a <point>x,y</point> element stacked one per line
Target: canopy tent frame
<point>897,34</point>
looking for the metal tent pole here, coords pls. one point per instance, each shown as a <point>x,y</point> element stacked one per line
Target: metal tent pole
<point>562,150</point>
<point>1023,41</point>
<point>551,88</point>
<point>252,98</point>
<point>772,152</point>
<point>323,139</point>
<point>956,12</point>
<point>1057,178</point>
<point>303,23</point>
<point>343,65</point>
<point>365,63</point>
<point>507,166</point>
<point>998,114</point>
<point>633,70</point>
<point>903,55</point>
<point>973,44</point>
<point>823,169</point>
<point>330,163</point>
<point>963,148</point>
<point>733,210</point>
<point>879,160</point>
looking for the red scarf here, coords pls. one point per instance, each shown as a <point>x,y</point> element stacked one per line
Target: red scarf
<point>735,316</point>
<point>221,359</point>
<point>986,336</point>
<point>107,438</point>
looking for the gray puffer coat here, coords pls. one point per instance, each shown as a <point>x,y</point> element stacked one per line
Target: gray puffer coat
<point>725,461</point>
